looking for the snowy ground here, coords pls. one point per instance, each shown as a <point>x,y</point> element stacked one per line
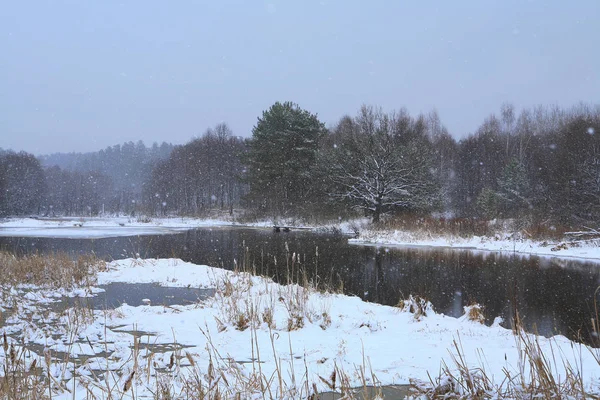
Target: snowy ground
<point>501,242</point>
<point>255,336</point>
<point>100,227</point>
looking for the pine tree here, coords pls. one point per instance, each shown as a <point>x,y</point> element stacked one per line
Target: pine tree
<point>281,153</point>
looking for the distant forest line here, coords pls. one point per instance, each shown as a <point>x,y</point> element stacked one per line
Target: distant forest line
<point>540,165</point>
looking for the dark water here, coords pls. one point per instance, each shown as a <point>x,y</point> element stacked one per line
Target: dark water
<point>137,294</point>
<point>551,295</point>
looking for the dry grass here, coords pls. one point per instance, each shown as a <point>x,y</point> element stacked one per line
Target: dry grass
<point>416,305</point>
<point>462,227</point>
<point>25,375</point>
<point>474,313</point>
<point>536,376</point>
<point>220,377</point>
<point>468,227</point>
<point>243,305</point>
<point>242,308</point>
<point>20,381</point>
<point>52,270</point>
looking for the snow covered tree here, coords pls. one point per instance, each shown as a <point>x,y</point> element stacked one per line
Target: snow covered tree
<point>281,153</point>
<point>381,164</point>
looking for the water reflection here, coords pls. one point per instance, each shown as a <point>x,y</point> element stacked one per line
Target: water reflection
<point>551,295</point>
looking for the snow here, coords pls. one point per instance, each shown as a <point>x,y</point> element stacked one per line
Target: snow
<point>103,227</point>
<point>95,228</point>
<point>327,331</point>
<point>501,242</point>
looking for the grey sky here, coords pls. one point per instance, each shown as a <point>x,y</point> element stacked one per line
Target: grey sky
<point>82,75</point>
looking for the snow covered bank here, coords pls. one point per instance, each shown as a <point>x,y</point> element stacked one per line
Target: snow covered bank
<point>258,337</point>
<point>88,228</point>
<point>102,227</point>
<point>503,243</point>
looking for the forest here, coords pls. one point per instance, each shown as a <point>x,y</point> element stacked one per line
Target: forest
<point>537,166</point>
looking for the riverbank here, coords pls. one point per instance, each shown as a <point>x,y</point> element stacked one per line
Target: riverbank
<point>500,242</point>
<point>362,231</point>
<point>261,339</point>
<point>100,227</point>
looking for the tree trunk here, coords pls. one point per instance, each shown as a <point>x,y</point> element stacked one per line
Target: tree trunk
<point>377,212</point>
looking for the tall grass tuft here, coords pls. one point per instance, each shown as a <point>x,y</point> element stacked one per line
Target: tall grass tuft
<point>57,271</point>
<point>18,380</point>
<point>539,374</point>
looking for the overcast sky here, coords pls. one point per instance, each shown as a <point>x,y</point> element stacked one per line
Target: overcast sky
<point>83,75</point>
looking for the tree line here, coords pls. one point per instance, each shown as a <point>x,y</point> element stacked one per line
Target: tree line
<point>539,165</point>
<point>77,184</point>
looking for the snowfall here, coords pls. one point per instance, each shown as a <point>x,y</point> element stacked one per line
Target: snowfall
<point>289,337</point>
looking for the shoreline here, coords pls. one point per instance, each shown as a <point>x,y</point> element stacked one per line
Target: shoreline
<point>105,227</point>
<point>565,250</point>
<point>253,328</point>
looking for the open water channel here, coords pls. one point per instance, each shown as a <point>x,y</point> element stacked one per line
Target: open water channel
<point>551,295</point>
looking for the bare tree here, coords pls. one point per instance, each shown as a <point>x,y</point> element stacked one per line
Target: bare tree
<point>507,112</point>
<point>200,176</point>
<point>21,184</point>
<point>372,170</point>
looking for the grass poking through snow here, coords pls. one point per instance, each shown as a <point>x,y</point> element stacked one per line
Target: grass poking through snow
<point>262,340</point>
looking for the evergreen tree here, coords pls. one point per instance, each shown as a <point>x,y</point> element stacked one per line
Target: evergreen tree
<point>281,153</point>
